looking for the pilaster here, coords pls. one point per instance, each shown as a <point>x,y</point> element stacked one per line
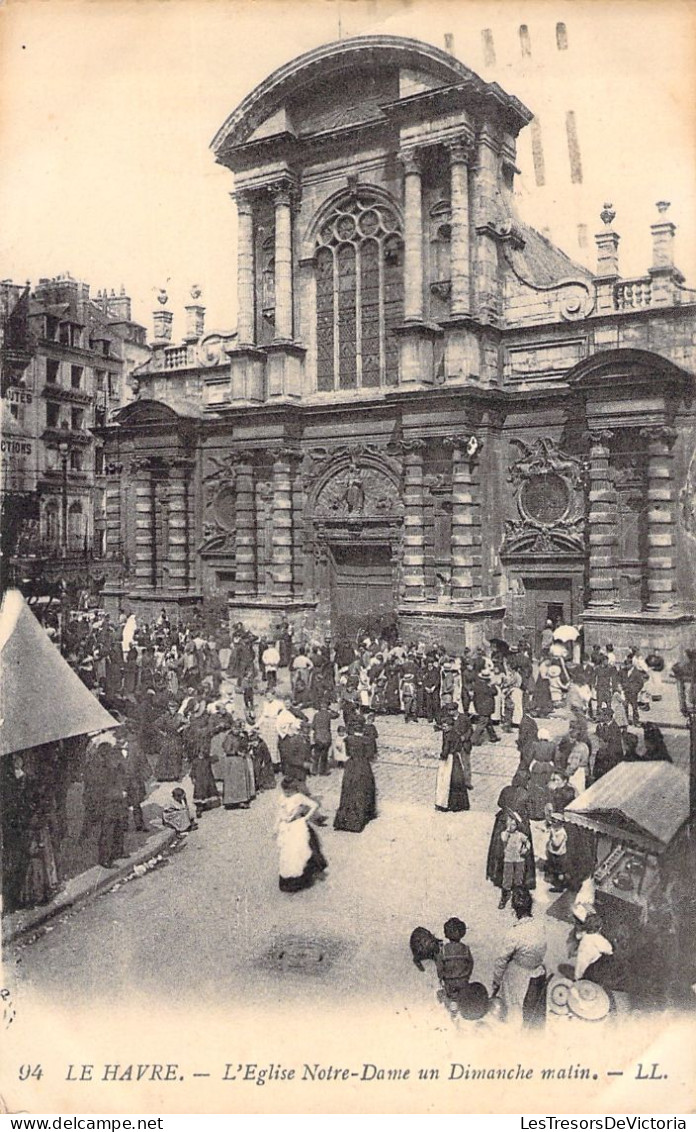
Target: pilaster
<point>661,576</point>
<point>602,522</point>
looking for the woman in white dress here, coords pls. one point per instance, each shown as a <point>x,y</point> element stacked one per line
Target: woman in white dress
<point>519,973</point>
<point>300,857</point>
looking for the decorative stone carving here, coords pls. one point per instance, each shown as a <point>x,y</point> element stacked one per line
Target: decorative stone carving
<point>219,522</point>
<point>549,488</point>
<point>357,491</point>
<point>317,462</point>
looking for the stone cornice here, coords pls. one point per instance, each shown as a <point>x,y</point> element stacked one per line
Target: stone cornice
<point>372,51</point>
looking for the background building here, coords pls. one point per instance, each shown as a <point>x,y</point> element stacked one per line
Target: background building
<point>430,415</point>
<point>66,365</point>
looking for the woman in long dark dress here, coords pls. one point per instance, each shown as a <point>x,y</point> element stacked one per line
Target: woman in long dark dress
<point>512,799</point>
<point>454,773</point>
<point>264,775</point>
<point>170,753</point>
<point>358,804</point>
<point>391,690</point>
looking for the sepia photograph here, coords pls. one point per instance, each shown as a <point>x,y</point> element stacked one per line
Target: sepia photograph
<point>348,556</point>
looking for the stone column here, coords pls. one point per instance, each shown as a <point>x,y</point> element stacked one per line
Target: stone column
<point>245,544</point>
<point>283,264</point>
<point>660,561</point>
<point>144,525</point>
<point>179,475</point>
<point>602,522</point>
<point>465,538</point>
<point>413,237</point>
<point>414,526</point>
<point>460,244</point>
<point>281,546</point>
<point>245,270</point>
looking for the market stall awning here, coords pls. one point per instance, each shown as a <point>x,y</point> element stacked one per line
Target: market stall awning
<point>645,804</point>
<point>41,698</point>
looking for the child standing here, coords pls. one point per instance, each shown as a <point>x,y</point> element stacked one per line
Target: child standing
<point>556,852</point>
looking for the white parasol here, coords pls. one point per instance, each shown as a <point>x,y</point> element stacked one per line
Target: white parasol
<point>566,633</point>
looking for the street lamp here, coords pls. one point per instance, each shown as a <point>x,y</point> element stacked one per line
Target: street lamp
<point>685,675</point>
<point>64,448</point>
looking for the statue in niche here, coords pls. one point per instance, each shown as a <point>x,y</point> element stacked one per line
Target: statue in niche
<point>352,501</point>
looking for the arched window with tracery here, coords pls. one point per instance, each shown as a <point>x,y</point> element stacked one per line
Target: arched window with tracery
<point>359,277</point>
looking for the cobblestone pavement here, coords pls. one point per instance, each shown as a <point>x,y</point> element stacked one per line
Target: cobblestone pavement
<point>215,913</point>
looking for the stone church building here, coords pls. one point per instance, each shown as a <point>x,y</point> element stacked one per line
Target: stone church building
<point>429,415</point>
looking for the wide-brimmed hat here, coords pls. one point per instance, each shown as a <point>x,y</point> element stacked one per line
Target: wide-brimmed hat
<point>472,1002</point>
<point>588,1001</point>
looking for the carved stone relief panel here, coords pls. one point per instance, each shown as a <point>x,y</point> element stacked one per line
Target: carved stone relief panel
<point>549,496</point>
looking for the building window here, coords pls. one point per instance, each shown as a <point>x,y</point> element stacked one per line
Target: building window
<point>75,526</point>
<point>100,378</point>
<point>112,381</point>
<point>75,461</point>
<point>52,368</point>
<point>268,278</point>
<point>64,334</point>
<point>52,523</point>
<point>99,461</point>
<point>76,419</point>
<point>359,277</point>
<point>52,412</point>
<point>75,377</point>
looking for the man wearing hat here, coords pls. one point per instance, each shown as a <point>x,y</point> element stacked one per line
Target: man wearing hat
<point>484,705</point>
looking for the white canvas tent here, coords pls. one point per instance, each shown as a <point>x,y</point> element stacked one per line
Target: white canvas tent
<point>641,804</point>
<point>41,698</point>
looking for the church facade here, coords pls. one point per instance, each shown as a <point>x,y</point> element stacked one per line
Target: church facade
<point>429,415</point>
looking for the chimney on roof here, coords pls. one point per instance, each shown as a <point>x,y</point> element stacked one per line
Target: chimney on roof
<point>118,307</point>
<point>449,42</point>
<point>608,245</point>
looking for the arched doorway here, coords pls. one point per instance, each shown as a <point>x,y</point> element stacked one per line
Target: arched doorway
<point>355,517</point>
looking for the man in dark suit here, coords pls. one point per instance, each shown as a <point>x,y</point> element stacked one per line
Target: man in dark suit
<point>484,706</point>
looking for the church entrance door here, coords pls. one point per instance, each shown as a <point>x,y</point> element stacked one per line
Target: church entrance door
<point>362,588</point>
<point>548,599</point>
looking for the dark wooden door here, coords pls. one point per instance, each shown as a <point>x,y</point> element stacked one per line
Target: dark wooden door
<point>362,588</point>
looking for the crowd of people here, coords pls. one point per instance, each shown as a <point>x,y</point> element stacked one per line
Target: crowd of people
<point>205,714</point>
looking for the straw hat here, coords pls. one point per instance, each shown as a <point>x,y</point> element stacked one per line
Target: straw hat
<point>588,1001</point>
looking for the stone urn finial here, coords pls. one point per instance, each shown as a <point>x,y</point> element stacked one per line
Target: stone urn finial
<point>608,213</point>
<point>162,296</point>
